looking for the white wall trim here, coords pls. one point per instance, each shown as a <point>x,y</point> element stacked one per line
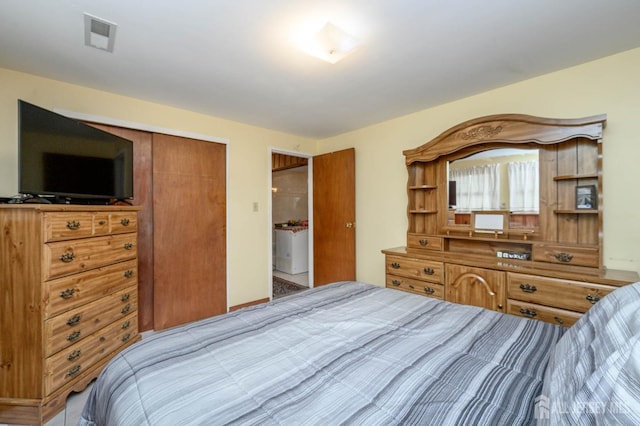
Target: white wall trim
<point>138,126</point>
<point>273,150</point>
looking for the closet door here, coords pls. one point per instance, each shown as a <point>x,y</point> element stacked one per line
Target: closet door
<point>142,193</point>
<point>189,207</point>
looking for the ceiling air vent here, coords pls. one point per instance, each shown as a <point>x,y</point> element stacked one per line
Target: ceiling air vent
<point>99,33</point>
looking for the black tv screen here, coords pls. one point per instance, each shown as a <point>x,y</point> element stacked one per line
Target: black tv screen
<point>60,156</point>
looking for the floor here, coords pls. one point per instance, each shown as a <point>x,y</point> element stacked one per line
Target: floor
<point>71,414</point>
<point>302,279</point>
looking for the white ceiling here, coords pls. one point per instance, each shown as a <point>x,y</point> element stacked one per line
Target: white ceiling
<point>237,59</point>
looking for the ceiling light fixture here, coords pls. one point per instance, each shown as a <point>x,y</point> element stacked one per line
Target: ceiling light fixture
<point>99,33</point>
<point>331,44</point>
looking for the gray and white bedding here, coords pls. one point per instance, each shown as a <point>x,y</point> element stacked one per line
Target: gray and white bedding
<point>346,353</point>
<point>593,377</point>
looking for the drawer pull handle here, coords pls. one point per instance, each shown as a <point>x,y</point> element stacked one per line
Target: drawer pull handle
<point>126,310</point>
<point>74,336</point>
<point>593,299</point>
<point>429,290</point>
<point>101,222</point>
<point>424,242</point>
<point>563,257</point>
<point>395,265</point>
<point>411,287</point>
<point>128,273</point>
<point>74,225</point>
<point>528,288</point>
<point>102,339</point>
<point>74,320</point>
<point>68,293</point>
<point>126,324</point>
<point>530,313</point>
<point>125,222</point>
<point>126,337</point>
<point>125,297</point>
<point>67,257</point>
<point>429,271</point>
<point>558,320</point>
<point>74,355</point>
<point>396,282</point>
<point>74,371</point>
<point>128,246</point>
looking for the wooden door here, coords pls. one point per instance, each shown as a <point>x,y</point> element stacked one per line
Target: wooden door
<point>142,196</point>
<point>334,213</point>
<point>189,198</point>
<point>476,286</point>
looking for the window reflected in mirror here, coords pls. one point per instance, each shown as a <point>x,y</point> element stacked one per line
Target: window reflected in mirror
<point>497,179</point>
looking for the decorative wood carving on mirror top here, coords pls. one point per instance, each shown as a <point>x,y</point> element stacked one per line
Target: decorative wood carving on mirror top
<point>508,129</point>
<point>570,155</point>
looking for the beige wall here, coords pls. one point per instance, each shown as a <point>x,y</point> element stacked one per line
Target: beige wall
<point>610,85</point>
<point>248,152</point>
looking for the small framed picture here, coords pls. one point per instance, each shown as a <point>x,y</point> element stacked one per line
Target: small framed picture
<point>586,197</point>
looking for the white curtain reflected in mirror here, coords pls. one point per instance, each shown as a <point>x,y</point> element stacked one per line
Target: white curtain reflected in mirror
<point>524,186</point>
<point>477,187</point>
<point>498,179</point>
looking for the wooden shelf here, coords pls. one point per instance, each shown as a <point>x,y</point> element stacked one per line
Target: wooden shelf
<point>570,177</point>
<point>585,211</point>
<point>423,187</point>
<point>468,233</point>
<point>423,211</point>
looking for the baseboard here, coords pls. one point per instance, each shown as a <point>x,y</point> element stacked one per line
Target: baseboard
<point>244,305</point>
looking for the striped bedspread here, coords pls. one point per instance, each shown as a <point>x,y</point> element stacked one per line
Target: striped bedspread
<point>346,353</point>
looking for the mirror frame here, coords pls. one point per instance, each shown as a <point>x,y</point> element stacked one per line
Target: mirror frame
<point>491,132</point>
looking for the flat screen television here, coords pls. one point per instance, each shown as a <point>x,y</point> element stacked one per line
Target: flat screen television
<point>68,160</point>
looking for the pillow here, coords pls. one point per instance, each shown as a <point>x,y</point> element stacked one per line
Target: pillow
<point>593,375</point>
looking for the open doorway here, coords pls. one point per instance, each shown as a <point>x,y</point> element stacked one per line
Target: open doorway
<point>291,223</point>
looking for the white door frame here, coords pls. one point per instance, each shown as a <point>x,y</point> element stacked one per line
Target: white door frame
<point>274,150</point>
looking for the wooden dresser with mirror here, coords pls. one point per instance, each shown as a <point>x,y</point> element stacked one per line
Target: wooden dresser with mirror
<point>505,212</point>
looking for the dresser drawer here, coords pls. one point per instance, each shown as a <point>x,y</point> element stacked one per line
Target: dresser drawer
<point>73,291</point>
<point>70,327</point>
<point>122,222</point>
<point>415,268</point>
<point>542,313</point>
<point>424,242</point>
<point>72,361</point>
<point>416,286</point>
<point>564,294</point>
<point>67,257</point>
<point>67,225</point>
<point>579,256</point>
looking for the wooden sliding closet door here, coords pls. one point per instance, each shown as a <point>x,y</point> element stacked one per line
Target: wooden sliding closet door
<point>142,193</point>
<point>189,198</point>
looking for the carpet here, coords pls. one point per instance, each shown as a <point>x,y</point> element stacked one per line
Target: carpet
<point>282,287</point>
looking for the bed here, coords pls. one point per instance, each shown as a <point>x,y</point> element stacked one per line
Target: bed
<point>354,353</point>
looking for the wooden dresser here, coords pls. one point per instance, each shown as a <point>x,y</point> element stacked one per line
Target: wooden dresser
<point>559,296</point>
<point>544,264</point>
<point>68,301</point>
